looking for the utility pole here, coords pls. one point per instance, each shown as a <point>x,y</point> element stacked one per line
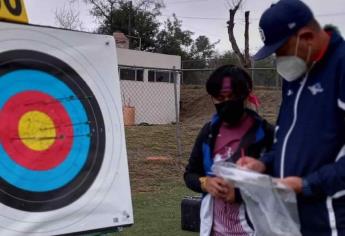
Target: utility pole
<point>130,23</point>
<point>139,38</point>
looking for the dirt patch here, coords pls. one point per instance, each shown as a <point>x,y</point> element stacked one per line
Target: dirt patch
<point>160,140</point>
<point>197,107</point>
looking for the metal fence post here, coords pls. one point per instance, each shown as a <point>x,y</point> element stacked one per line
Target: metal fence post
<point>177,112</point>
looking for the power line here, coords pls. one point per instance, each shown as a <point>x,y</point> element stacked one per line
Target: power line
<point>187,1</point>
<point>252,19</point>
<point>198,18</point>
<point>204,31</point>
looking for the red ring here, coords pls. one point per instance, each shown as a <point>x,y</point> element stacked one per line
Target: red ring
<point>10,115</point>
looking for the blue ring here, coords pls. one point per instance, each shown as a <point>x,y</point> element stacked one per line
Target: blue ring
<point>42,181</point>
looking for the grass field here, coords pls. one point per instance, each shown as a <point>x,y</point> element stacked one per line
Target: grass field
<point>158,213</point>
<point>157,186</point>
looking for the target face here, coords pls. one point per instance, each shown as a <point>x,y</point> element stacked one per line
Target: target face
<point>51,130</point>
<point>63,160</point>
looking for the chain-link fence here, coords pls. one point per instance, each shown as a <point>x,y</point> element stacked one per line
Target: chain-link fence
<point>197,107</point>
<point>153,93</point>
<point>263,73</point>
<point>151,109</point>
<point>165,108</point>
<point>262,77</point>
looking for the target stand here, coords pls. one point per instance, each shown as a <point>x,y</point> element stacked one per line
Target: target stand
<point>63,161</point>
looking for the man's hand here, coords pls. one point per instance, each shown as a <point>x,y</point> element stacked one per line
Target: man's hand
<point>295,183</point>
<point>219,188</point>
<point>252,164</point>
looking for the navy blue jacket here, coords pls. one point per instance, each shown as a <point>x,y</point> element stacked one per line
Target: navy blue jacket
<point>310,142</point>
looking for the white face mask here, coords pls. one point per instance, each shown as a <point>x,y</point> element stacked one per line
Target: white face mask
<point>292,67</point>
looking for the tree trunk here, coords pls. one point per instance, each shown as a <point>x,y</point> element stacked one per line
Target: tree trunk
<point>244,57</point>
<point>234,45</point>
<point>248,62</point>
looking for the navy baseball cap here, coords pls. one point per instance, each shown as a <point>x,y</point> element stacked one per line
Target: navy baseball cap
<point>279,22</point>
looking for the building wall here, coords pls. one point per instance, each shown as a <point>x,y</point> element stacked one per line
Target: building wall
<point>154,102</point>
<point>147,59</point>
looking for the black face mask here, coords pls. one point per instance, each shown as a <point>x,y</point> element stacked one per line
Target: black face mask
<point>231,111</point>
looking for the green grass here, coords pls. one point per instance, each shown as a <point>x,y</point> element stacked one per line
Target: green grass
<point>158,213</point>
<point>157,186</point>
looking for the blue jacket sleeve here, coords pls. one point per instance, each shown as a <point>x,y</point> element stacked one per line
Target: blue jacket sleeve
<point>269,157</point>
<point>341,95</point>
<point>330,179</point>
<point>194,169</point>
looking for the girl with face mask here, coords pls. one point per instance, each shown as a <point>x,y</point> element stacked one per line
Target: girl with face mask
<point>234,131</point>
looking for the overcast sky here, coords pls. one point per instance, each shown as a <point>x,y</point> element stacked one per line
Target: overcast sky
<point>204,17</point>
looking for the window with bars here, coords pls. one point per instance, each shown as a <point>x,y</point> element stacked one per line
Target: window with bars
<point>131,74</point>
<point>161,76</point>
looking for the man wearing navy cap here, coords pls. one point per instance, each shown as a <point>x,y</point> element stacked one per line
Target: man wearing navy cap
<point>309,150</point>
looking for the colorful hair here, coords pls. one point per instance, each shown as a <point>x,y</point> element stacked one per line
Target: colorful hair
<point>241,82</point>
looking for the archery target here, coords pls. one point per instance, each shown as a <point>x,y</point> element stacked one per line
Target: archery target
<point>63,166</point>
<point>53,121</point>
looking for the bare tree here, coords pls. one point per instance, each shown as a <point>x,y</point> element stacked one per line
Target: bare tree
<point>244,57</point>
<point>68,18</point>
<point>103,8</point>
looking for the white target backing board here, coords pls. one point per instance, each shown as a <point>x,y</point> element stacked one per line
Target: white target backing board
<point>63,160</point>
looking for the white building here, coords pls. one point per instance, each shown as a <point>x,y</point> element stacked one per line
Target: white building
<point>147,84</point>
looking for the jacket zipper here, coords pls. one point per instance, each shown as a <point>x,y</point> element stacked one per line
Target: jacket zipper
<point>283,156</point>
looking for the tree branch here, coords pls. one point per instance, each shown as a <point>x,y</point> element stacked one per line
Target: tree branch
<point>68,18</point>
<point>231,26</point>
<point>246,41</point>
<point>100,9</point>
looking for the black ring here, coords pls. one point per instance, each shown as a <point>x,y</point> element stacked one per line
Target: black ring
<point>51,200</point>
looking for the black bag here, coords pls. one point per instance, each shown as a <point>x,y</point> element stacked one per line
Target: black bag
<point>190,214</point>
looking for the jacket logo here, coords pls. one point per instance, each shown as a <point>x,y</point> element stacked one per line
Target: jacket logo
<point>315,89</point>
<point>275,134</point>
<point>289,93</point>
<point>262,34</point>
<point>292,25</point>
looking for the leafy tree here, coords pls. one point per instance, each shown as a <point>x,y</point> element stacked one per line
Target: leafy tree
<point>200,53</point>
<point>202,48</point>
<point>173,40</point>
<point>137,20</point>
<point>228,57</point>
